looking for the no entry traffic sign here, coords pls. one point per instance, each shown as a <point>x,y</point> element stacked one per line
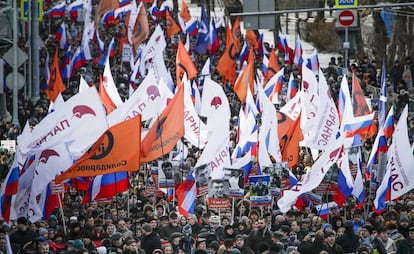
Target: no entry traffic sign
<point>346,18</point>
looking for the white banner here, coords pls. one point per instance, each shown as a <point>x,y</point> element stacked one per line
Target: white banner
<point>400,159</point>
<point>313,176</point>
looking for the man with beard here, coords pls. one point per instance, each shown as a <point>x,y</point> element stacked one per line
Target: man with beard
<point>172,227</point>
<point>259,235</point>
<point>241,245</point>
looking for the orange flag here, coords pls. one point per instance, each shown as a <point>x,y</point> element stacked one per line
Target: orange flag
<point>184,64</point>
<point>290,134</point>
<point>172,27</point>
<point>55,84</point>
<point>166,130</point>
<point>106,100</point>
<point>141,28</point>
<point>272,67</point>
<point>227,63</point>
<point>245,79</point>
<point>251,38</point>
<point>360,106</point>
<point>185,12</point>
<point>109,154</point>
<point>235,31</point>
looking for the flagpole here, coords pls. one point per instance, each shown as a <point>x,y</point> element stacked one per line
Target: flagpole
<point>128,199</point>
<point>232,210</point>
<point>61,211</point>
<point>116,191</point>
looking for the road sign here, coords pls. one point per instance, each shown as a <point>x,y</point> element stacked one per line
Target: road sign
<point>346,18</point>
<point>21,57</point>
<point>346,3</point>
<point>24,10</point>
<point>10,81</point>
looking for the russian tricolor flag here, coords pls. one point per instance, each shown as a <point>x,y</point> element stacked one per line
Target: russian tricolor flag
<point>382,105</point>
<point>186,195</point>
<point>298,53</point>
<point>107,186</point>
<point>73,9</point>
<point>11,184</point>
<point>61,36</point>
<point>57,10</point>
<point>244,163</point>
<point>214,42</point>
<point>282,45</point>
<point>358,189</point>
<point>77,61</point>
<point>380,143</point>
<point>345,181</point>
<point>66,71</point>
<point>244,54</point>
<point>49,202</point>
<point>383,194</point>
<point>113,184</point>
<point>292,87</point>
<point>108,17</point>
<point>324,209</point>
<point>313,63</point>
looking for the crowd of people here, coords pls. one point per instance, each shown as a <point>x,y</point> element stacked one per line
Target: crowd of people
<point>141,222</point>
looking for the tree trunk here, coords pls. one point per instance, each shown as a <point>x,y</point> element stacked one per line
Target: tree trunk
<point>397,49</point>
<point>379,42</point>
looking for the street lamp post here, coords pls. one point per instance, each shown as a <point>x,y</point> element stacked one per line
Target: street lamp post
<point>15,120</point>
<point>35,45</point>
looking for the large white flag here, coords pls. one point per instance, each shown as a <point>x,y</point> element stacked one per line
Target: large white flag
<point>81,121</point>
<point>39,170</point>
<point>309,100</point>
<point>293,107</point>
<point>156,44</point>
<point>268,134</point>
<point>195,129</point>
<point>109,84</point>
<point>147,101</point>
<point>216,154</point>
<point>326,120</point>
<point>51,162</point>
<point>400,160</point>
<point>215,106</point>
<point>313,176</point>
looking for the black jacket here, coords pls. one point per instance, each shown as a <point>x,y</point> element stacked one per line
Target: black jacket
<point>151,242</point>
<point>406,246</point>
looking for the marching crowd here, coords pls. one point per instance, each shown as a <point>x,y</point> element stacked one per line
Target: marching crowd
<point>138,222</point>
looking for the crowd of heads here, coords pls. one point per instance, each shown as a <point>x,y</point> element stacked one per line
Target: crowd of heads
<point>141,222</point>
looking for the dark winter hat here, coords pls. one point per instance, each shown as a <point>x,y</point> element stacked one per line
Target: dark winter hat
<point>116,236</point>
<point>369,228</point>
<point>239,236</point>
<point>22,220</point>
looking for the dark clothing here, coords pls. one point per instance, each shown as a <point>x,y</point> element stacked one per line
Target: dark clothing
<point>406,246</point>
<point>245,250</point>
<point>256,237</point>
<point>335,249</point>
<point>4,170</point>
<point>168,230</point>
<point>22,237</point>
<point>348,242</point>
<point>311,248</point>
<point>151,242</point>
